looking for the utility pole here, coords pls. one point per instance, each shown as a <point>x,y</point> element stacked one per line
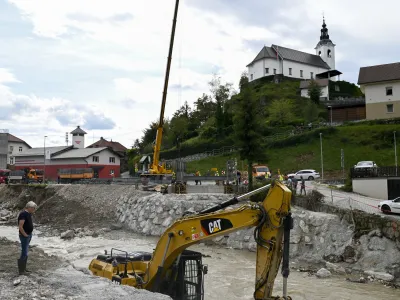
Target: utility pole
<point>44,158</point>
<point>342,161</point>
<point>395,150</point>
<point>322,157</point>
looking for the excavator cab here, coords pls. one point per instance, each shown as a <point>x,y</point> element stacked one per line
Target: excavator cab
<point>185,279</point>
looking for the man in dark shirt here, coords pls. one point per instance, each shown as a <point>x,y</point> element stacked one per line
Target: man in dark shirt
<point>25,226</point>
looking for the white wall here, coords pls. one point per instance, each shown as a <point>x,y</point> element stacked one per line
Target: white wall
<point>324,92</point>
<point>258,69</point>
<point>104,158</point>
<point>376,93</point>
<point>78,141</point>
<point>324,54</point>
<point>14,148</point>
<point>371,187</point>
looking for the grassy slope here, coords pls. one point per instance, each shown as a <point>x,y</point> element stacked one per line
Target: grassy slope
<point>360,142</point>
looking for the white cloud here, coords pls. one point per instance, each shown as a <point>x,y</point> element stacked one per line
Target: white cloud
<point>134,49</point>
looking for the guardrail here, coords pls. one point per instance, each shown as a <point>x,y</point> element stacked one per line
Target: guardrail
<point>375,172</point>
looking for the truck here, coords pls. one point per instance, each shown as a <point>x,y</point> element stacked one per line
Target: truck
<point>261,171</point>
<point>27,175</point>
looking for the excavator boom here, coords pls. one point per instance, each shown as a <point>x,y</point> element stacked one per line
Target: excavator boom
<point>272,222</point>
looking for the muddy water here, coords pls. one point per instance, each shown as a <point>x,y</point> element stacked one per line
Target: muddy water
<point>231,272</point>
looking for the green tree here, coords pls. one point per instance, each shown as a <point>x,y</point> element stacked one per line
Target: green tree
<point>310,111</point>
<point>314,91</point>
<point>281,111</point>
<point>246,122</point>
<point>221,93</point>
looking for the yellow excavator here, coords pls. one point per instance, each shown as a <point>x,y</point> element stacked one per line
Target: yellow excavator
<point>179,273</point>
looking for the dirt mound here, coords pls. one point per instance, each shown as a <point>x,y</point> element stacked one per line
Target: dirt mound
<point>67,206</point>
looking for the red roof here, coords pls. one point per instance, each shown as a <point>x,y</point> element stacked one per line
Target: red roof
<point>13,138</point>
<point>117,147</point>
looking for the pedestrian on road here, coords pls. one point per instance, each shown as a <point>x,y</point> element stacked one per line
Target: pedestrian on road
<point>25,226</point>
<point>239,176</point>
<point>302,186</point>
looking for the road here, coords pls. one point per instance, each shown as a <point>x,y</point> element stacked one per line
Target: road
<point>349,200</point>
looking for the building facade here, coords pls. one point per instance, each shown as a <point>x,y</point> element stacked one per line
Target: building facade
<point>322,83</point>
<point>116,147</point>
<point>14,147</point>
<point>381,86</point>
<point>278,60</point>
<point>104,162</point>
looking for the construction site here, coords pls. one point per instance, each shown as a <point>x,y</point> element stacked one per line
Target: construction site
<point>329,257</point>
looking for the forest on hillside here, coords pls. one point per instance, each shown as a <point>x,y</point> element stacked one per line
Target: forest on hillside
<point>210,123</point>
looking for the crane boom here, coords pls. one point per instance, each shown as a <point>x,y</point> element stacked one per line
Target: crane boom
<point>156,169</point>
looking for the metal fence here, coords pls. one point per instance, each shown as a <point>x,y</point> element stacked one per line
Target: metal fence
<point>375,172</point>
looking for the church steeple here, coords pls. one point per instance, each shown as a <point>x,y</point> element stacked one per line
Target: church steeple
<point>324,31</point>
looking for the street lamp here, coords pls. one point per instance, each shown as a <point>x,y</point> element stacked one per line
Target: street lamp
<point>322,158</point>
<point>395,150</point>
<point>44,158</point>
<point>331,112</point>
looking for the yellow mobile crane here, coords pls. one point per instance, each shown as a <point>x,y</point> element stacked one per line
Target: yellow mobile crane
<point>157,168</point>
<point>179,273</point>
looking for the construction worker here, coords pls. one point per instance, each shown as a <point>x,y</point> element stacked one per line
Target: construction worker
<point>302,186</point>
<point>173,177</point>
<point>198,174</point>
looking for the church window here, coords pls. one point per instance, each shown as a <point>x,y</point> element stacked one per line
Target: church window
<point>319,53</point>
<point>337,88</point>
<point>312,75</point>
<point>329,53</point>
<point>251,76</point>
<point>301,73</point>
<point>389,108</point>
<point>389,91</point>
<point>266,70</point>
<point>274,71</point>
<point>290,71</point>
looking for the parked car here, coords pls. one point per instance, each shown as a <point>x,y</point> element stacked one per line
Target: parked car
<point>390,206</point>
<point>365,168</point>
<point>306,174</point>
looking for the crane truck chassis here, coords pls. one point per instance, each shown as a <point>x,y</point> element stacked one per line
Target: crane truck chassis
<point>175,271</point>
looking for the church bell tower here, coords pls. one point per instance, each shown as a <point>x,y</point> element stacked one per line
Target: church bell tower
<point>325,48</point>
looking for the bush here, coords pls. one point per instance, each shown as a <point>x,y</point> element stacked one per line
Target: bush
<point>260,196</point>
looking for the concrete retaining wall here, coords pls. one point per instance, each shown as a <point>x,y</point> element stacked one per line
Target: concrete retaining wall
<point>371,187</point>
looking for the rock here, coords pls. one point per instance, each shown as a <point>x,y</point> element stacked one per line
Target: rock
<point>323,273</point>
<point>16,282</point>
<point>349,253</point>
<point>333,258</point>
<point>252,247</point>
<point>66,235</point>
<point>376,243</point>
<point>4,212</point>
<point>307,239</point>
<point>375,232</point>
<point>167,222</point>
<point>247,238</point>
<point>335,268</point>
<point>95,234</point>
<point>115,226</point>
<point>157,221</point>
<point>303,226</point>
<point>380,275</point>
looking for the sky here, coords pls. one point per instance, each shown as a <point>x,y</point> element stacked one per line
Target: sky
<point>101,64</point>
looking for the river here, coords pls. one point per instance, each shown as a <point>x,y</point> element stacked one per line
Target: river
<point>231,272</point>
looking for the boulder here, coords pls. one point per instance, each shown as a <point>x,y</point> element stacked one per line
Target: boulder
<point>335,268</point>
<point>66,235</point>
<point>115,226</point>
<point>380,275</point>
<point>323,273</point>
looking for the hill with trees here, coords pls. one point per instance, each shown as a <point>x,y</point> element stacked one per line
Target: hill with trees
<point>246,118</point>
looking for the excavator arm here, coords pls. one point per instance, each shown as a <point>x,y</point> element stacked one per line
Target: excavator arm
<point>270,219</point>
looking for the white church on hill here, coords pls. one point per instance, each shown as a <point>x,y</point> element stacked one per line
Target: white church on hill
<point>277,60</point>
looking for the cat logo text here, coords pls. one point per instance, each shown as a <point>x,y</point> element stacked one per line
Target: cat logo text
<point>214,226</point>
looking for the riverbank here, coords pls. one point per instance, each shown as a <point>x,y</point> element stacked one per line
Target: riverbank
<point>318,240</point>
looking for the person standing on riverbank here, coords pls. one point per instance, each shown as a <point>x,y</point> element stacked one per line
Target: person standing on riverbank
<point>25,225</point>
